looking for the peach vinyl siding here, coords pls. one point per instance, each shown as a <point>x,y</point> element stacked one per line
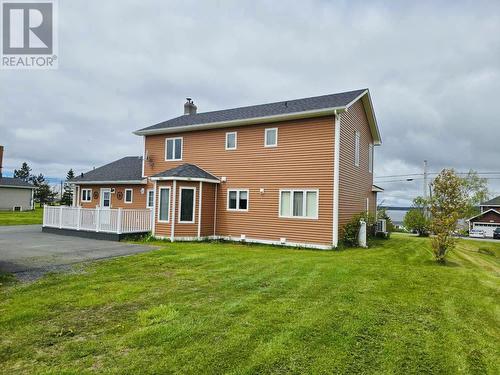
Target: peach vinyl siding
<point>355,181</point>
<point>303,158</point>
<point>138,198</point>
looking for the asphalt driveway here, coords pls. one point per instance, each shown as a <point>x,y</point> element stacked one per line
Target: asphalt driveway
<point>29,253</point>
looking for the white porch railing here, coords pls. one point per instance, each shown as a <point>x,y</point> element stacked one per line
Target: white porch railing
<point>110,220</point>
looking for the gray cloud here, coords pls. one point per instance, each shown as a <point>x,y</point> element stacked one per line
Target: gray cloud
<point>432,68</point>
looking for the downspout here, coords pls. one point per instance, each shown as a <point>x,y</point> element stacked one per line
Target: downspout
<point>174,194</point>
<point>153,231</point>
<point>336,174</point>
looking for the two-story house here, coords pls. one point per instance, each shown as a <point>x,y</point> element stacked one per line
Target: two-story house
<point>290,172</point>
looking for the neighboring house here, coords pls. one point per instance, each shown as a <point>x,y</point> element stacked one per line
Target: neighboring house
<point>15,194</point>
<point>488,219</point>
<point>291,172</point>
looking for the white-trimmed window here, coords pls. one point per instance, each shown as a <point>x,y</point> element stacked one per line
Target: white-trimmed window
<point>129,196</point>
<point>357,137</point>
<point>237,199</point>
<point>173,148</point>
<point>187,201</point>
<point>231,140</point>
<point>164,206</point>
<point>86,195</point>
<point>271,137</point>
<point>150,199</point>
<point>299,203</point>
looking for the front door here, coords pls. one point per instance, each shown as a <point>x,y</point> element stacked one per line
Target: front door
<point>105,198</point>
<point>105,214</point>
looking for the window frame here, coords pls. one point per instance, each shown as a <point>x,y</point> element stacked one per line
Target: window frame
<point>180,205</point>
<point>131,196</point>
<point>235,141</point>
<point>304,203</point>
<point>147,198</point>
<point>173,151</point>
<point>238,191</point>
<point>169,203</point>
<point>357,151</point>
<point>266,130</point>
<point>89,195</point>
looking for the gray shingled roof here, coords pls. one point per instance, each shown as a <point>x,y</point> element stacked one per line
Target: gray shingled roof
<point>187,171</point>
<point>14,182</point>
<point>128,168</point>
<point>492,202</point>
<point>271,109</point>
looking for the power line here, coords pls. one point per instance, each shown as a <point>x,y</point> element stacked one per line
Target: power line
<point>435,173</point>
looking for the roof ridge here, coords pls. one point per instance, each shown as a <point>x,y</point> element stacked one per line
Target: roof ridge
<point>277,102</point>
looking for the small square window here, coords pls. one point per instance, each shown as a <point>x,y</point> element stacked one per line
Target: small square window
<point>86,195</point>
<point>271,137</point>
<point>231,141</point>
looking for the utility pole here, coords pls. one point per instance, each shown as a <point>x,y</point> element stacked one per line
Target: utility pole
<point>426,185</point>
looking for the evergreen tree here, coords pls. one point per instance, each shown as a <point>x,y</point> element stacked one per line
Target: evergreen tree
<point>67,197</point>
<point>24,173</point>
<point>43,192</point>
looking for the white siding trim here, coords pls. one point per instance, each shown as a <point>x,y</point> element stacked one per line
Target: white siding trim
<point>172,228</point>
<point>336,174</point>
<point>199,209</point>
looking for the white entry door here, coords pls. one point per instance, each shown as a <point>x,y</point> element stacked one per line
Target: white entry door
<point>105,198</point>
<point>105,214</point>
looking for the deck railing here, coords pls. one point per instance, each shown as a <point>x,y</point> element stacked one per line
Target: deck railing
<point>110,220</point>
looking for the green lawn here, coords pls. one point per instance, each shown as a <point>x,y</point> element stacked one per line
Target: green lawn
<point>229,308</point>
<point>21,218</point>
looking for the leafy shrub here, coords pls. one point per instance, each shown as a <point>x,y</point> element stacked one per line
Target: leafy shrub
<point>349,232</point>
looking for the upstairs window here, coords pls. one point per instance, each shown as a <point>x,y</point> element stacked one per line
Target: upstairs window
<point>237,200</point>
<point>356,148</point>
<point>86,195</point>
<point>128,195</point>
<point>370,158</point>
<point>299,204</point>
<point>173,148</point>
<point>271,137</point>
<point>231,140</point>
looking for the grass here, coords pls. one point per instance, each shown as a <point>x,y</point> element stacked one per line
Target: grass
<point>230,308</point>
<point>21,218</point>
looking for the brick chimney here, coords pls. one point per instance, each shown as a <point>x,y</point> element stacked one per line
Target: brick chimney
<point>189,107</point>
<point>1,160</point>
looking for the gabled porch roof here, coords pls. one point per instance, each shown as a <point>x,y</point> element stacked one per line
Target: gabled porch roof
<point>186,172</point>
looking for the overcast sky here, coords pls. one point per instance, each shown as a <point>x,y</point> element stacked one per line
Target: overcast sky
<point>433,69</point>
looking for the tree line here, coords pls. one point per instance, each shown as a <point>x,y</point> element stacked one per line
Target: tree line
<point>44,194</point>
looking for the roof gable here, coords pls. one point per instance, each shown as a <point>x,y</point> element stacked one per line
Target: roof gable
<point>271,112</point>
<point>484,213</point>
